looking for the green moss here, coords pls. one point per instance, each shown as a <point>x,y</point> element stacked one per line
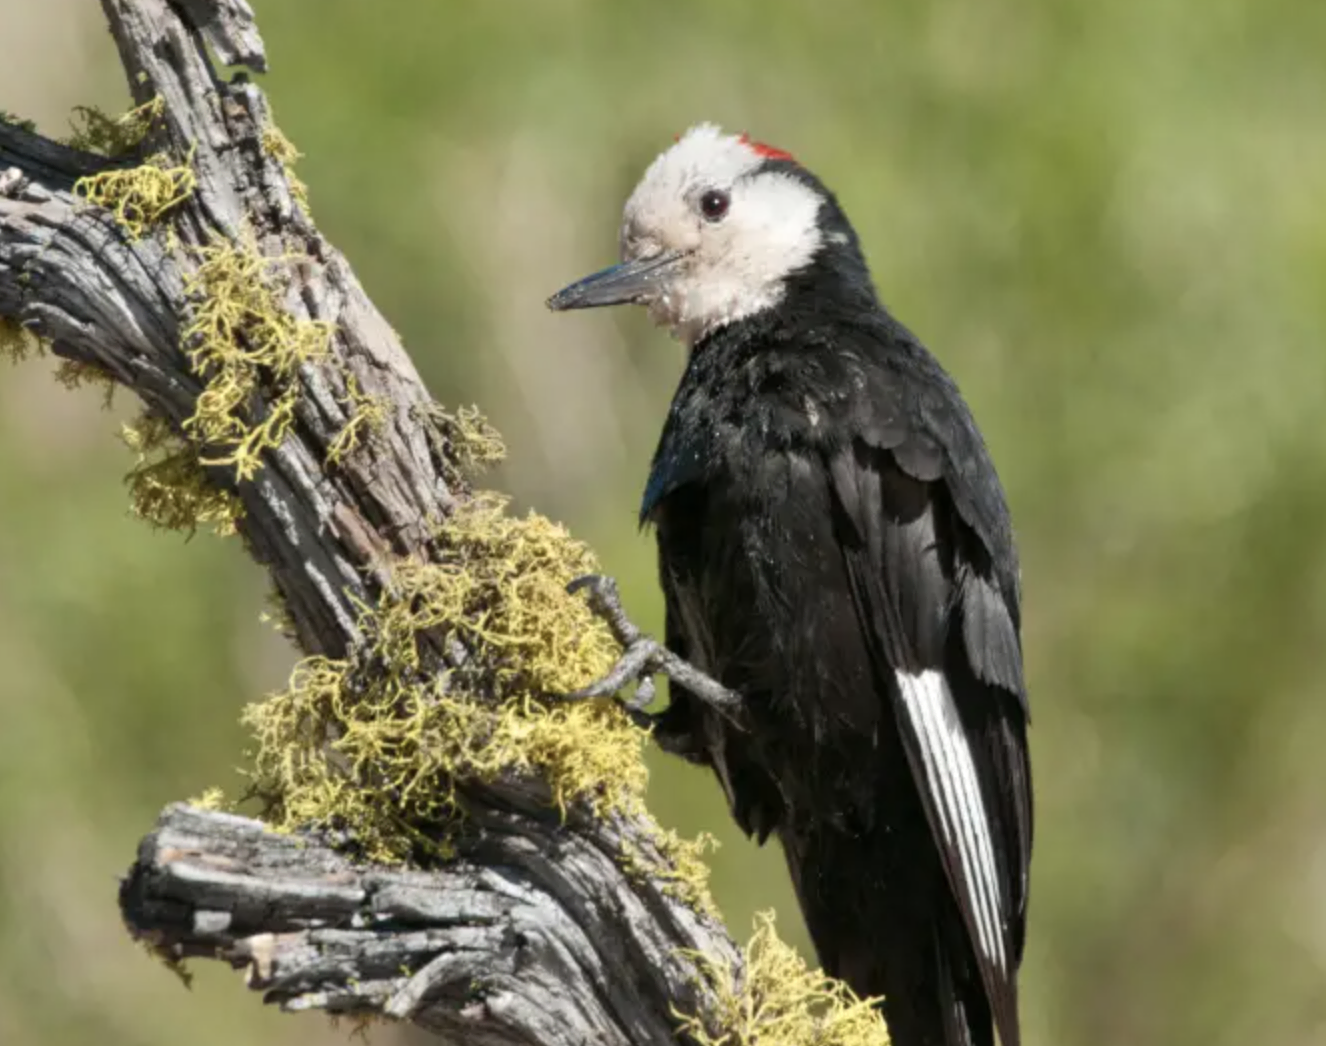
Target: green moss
<point>16,344</point>
<point>78,374</point>
<point>114,136</point>
<point>777,1001</point>
<point>359,1024</point>
<point>16,121</point>
<point>242,341</point>
<point>390,774</point>
<point>277,614</point>
<point>167,956</point>
<point>168,486</point>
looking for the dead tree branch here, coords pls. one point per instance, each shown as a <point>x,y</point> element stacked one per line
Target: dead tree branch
<point>534,936</point>
<point>534,933</point>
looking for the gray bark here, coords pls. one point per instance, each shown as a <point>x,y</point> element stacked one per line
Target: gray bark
<point>534,933</point>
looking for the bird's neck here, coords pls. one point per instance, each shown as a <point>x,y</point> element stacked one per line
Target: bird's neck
<point>817,299</point>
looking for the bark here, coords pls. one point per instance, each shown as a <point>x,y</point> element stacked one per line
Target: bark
<point>534,933</point>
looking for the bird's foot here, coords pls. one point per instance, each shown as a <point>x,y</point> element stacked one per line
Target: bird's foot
<point>643,658</point>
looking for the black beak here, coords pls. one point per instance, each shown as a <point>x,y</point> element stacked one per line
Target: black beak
<point>627,283</point>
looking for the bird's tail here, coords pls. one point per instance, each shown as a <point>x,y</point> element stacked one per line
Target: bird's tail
<point>912,953</point>
<point>927,1002</point>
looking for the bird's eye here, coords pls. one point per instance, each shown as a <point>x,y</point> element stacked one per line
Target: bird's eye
<point>714,204</point>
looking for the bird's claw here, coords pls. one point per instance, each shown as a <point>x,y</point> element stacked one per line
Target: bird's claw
<point>642,658</point>
<point>605,602</point>
<point>638,663</point>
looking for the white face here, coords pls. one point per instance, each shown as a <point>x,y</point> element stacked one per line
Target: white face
<point>741,234</point>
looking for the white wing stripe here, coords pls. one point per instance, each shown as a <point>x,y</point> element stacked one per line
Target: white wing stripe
<point>969,812</point>
<point>981,823</point>
<point>951,776</point>
<point>923,696</point>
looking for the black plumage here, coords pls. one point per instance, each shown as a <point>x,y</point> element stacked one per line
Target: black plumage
<point>834,545</point>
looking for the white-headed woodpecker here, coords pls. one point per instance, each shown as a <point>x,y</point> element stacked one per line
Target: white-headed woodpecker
<point>836,557</point>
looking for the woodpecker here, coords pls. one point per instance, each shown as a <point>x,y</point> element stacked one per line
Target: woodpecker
<point>835,548</point>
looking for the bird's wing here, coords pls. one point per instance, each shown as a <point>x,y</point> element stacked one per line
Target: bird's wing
<point>944,637</point>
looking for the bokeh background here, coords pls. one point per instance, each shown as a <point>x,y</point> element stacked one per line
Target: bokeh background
<point>1110,222</point>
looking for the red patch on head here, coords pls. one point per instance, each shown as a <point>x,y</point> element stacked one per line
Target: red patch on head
<point>769,152</point>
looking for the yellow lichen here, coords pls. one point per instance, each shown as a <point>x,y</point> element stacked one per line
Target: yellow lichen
<point>94,131</point>
<point>378,744</point>
<point>211,799</point>
<point>679,863</point>
<point>777,1001</point>
<point>395,754</point>
<point>499,583</point>
<point>168,486</point>
<point>283,151</point>
<point>367,414</point>
<point>469,443</point>
<point>242,341</point>
<point>139,197</point>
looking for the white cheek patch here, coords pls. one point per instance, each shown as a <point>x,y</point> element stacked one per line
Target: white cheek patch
<point>742,263</point>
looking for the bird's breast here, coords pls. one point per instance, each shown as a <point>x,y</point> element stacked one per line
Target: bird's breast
<point>761,590</point>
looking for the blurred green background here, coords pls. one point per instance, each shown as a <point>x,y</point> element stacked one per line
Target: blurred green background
<point>1109,220</point>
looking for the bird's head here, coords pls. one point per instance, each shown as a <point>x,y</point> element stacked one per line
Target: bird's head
<point>712,234</point>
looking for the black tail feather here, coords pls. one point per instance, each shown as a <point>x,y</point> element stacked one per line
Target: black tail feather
<point>882,918</point>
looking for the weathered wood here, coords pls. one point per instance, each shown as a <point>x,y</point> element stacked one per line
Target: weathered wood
<point>534,933</point>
